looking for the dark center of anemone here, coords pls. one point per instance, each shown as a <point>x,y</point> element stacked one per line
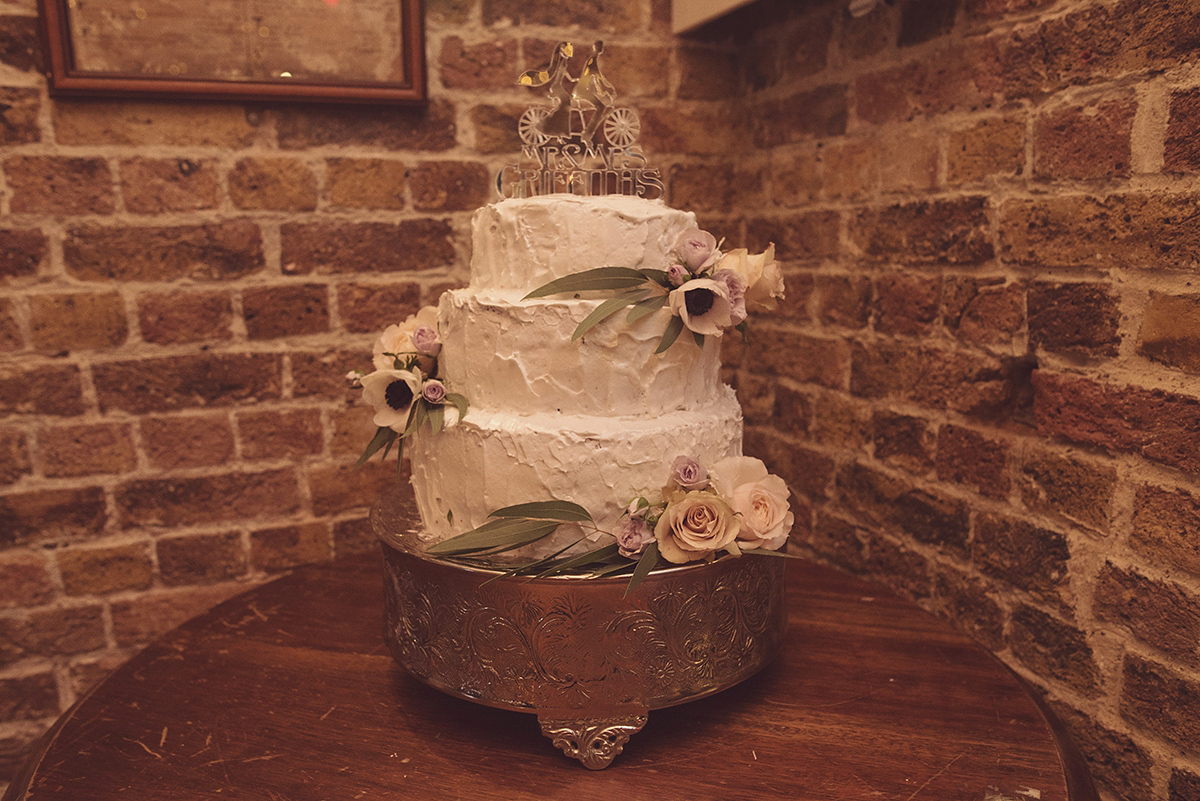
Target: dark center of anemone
<point>698,301</point>
<point>398,395</point>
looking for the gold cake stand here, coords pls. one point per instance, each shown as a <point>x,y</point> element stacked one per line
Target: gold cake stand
<point>587,660</point>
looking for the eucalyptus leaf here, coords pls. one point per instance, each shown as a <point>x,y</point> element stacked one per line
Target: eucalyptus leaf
<point>535,565</point>
<point>644,566</point>
<point>607,309</point>
<point>644,308</point>
<point>765,552</point>
<point>437,417</point>
<point>383,437</point>
<point>496,535</point>
<point>460,403</point>
<point>742,328</point>
<point>671,334</point>
<point>600,278</point>
<point>657,276</point>
<point>399,456</point>
<point>696,335</point>
<point>597,555</point>
<point>416,417</point>
<point>608,570</point>
<point>545,510</point>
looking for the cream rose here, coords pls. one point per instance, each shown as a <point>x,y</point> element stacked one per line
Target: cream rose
<point>758,498</point>
<point>399,339</point>
<point>696,526</point>
<point>761,273</point>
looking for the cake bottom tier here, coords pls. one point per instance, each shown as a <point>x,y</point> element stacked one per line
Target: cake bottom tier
<point>493,460</point>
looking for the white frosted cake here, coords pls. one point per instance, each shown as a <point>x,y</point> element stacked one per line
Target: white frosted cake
<point>597,420</point>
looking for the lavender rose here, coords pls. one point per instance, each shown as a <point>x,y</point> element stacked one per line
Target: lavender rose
<point>689,474</point>
<point>398,340</point>
<point>737,293</point>
<point>696,526</point>
<point>761,273</point>
<point>434,391</point>
<point>425,340</point>
<point>633,536</point>
<point>677,274</point>
<point>758,498</point>
<point>697,249</point>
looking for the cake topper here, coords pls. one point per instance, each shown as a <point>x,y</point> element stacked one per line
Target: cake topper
<point>582,142</point>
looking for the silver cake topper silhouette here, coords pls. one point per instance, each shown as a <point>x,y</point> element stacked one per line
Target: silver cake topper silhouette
<point>582,142</point>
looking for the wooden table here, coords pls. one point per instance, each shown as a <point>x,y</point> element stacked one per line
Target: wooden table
<point>286,692</point>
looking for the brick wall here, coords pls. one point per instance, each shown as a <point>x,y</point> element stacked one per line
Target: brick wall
<point>985,387</point>
<point>981,388</point>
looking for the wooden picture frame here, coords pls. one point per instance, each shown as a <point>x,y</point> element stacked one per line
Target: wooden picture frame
<point>333,51</point>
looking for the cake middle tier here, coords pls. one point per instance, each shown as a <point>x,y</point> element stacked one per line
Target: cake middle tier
<point>491,460</point>
<point>509,355</point>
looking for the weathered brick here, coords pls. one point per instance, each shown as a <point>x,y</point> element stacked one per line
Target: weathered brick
<point>1181,149</point>
<point>1162,700</point>
<point>790,410</point>
<point>19,126</point>
<point>795,180</point>
<point>804,49</point>
<point>59,185</point>
<point>954,231</point>
<point>102,570</point>
<point>367,308</point>
<point>967,457</point>
<point>1026,556</point>
<point>11,338</point>
<point>272,312</point>
<point>29,697</point>
<point>138,123</point>
<point>637,72</point>
<point>365,183</point>
<point>331,247</point>
<point>323,374</point>
<point>86,449</point>
<point>805,470</point>
<point>693,130</point>
<point>756,394</point>
<point>1184,785</point>
<point>985,311</point>
<point>52,631</point>
<point>908,303</point>
<point>706,73</point>
<point>1078,491</point>
<point>357,536</point>
<point>1170,331</point>
<point>895,565</point>
<point>993,147</point>
<point>801,358</point>
<point>997,8</point>
<point>1053,648</point>
<point>904,441</point>
<point>908,162</point>
<point>288,546</point>
<point>180,382</point>
<point>138,620</point>
<point>154,186</point>
<point>272,184</point>
<point>981,386</point>
<point>351,430</point>
<point>449,12</point>
<point>189,441</point>
<point>701,187</point>
<point>809,236</point>
<point>1085,142</point>
<point>78,321</point>
<point>51,515</point>
<point>340,488</point>
<point>449,185</point>
<point>20,49</point>
<point>168,318</point>
<point>881,500</point>
<point>208,499</point>
<point>820,112</point>
<point>1160,613</point>
<point>22,250</point>
<point>495,128</point>
<point>200,559</point>
<point>966,602</point>
<point>1134,231</point>
<point>40,389</point>
<point>922,20</point>
<point>840,421</point>
<point>1156,424</point>
<point>839,541</point>
<point>390,128</point>
<point>1166,527</point>
<point>624,16</point>
<point>867,35</point>
<point>481,65</point>
<point>87,672</point>
<point>961,77</point>
<point>850,168</point>
<point>24,579</point>
<point>280,434</point>
<point>1114,759</point>
<point>212,252</point>
<point>843,300</point>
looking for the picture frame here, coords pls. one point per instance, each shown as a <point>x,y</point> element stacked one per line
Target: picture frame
<point>331,51</point>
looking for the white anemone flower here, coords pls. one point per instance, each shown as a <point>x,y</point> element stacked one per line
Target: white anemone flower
<point>392,393</point>
<point>704,306</point>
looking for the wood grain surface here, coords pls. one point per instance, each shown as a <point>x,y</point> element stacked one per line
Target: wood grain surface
<point>287,692</point>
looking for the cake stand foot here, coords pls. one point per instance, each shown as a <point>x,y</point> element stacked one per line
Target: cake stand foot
<point>594,739</point>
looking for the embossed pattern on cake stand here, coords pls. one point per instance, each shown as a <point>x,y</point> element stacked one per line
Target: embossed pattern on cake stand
<point>587,660</point>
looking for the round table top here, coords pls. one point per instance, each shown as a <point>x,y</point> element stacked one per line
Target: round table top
<point>287,692</point>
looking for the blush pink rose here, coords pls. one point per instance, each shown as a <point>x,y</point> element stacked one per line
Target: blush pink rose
<point>758,498</point>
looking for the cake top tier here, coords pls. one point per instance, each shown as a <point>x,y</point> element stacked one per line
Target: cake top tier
<point>522,243</point>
